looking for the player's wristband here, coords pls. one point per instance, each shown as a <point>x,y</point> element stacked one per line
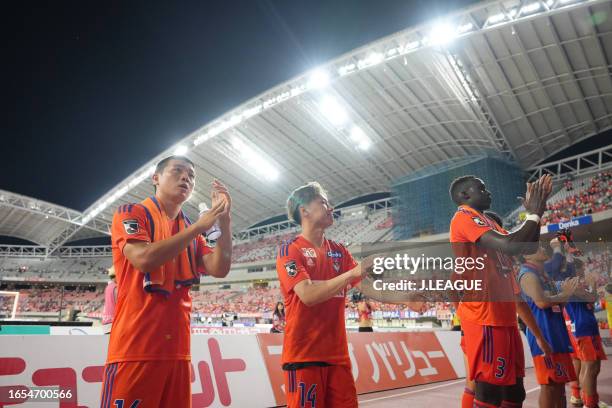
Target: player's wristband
<point>533,217</point>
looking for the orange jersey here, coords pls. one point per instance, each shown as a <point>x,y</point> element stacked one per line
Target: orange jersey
<point>147,326</point>
<point>316,333</point>
<point>498,279</point>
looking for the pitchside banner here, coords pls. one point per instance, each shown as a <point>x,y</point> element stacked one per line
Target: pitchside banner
<point>228,370</point>
<point>380,361</point>
<point>574,222</point>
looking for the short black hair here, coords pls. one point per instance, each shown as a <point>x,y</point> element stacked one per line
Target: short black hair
<point>164,162</point>
<point>457,187</point>
<point>495,217</point>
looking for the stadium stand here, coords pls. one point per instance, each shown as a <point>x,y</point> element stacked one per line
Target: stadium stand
<point>574,198</point>
<point>361,228</point>
<point>580,197</point>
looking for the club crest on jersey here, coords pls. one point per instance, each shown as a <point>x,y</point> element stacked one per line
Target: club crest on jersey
<point>309,262</point>
<point>131,226</point>
<point>309,252</point>
<point>478,221</point>
<point>291,268</point>
<point>336,265</point>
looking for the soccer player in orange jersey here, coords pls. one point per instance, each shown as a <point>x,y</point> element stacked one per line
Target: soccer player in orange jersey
<point>157,255</point>
<point>492,342</point>
<point>315,274</point>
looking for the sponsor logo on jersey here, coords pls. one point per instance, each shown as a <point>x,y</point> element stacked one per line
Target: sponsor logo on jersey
<point>334,254</point>
<point>131,226</point>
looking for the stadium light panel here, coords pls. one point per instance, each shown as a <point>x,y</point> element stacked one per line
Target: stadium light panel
<point>442,33</point>
<point>255,161</point>
<point>411,46</point>
<point>360,138</point>
<point>346,69</point>
<point>181,150</point>
<point>318,79</point>
<point>333,111</point>
<point>531,8</point>
<point>374,58</point>
<point>462,29</point>
<point>496,18</point>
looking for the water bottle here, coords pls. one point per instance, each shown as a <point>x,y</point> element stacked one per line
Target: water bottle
<point>213,232</point>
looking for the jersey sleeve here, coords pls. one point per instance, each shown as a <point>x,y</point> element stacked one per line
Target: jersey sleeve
<point>201,250</point>
<point>290,266</point>
<point>129,224</point>
<point>348,263</point>
<point>469,227</point>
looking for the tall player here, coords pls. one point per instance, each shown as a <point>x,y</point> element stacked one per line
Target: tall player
<point>157,255</point>
<point>492,342</point>
<point>314,274</point>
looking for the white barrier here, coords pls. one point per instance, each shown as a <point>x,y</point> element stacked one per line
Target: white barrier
<point>233,370</point>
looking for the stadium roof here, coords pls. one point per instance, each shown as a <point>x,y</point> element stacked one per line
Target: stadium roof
<point>41,222</point>
<point>524,79</point>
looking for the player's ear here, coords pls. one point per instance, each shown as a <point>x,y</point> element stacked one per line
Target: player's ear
<point>155,179</point>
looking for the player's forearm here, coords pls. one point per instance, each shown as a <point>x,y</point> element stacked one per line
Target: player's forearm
<point>153,255</point>
<point>519,242</point>
<point>221,259</point>
<point>320,291</point>
<point>523,311</point>
<point>585,295</point>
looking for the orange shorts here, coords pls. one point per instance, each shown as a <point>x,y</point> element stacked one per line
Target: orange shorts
<point>152,383</point>
<point>494,353</point>
<point>320,387</point>
<point>588,348</point>
<point>558,368</point>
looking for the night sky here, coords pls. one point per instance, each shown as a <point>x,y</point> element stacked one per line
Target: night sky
<point>93,90</point>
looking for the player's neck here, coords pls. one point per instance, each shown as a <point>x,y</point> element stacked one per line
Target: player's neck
<point>170,207</point>
<point>315,235</point>
<point>480,210</point>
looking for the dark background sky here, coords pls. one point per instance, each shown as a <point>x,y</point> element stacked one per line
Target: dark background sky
<point>93,90</point>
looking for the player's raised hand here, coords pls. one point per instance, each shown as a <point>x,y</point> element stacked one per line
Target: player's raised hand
<point>221,193</point>
<point>570,285</point>
<point>208,219</point>
<point>529,200</point>
<point>547,185</point>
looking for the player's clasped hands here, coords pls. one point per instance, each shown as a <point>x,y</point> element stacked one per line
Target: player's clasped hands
<point>570,285</point>
<point>536,195</point>
<point>220,208</point>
